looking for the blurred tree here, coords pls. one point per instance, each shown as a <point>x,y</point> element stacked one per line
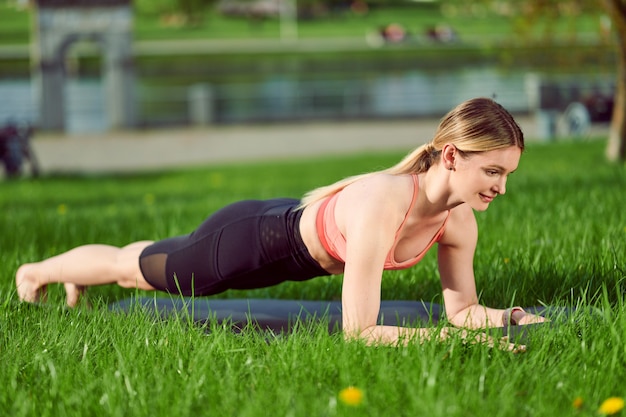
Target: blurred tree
<point>538,18</point>
<point>616,150</point>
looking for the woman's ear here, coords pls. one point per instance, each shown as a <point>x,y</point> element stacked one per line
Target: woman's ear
<point>448,156</point>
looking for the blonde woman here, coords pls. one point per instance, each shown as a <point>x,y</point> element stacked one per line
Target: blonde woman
<point>357,228</point>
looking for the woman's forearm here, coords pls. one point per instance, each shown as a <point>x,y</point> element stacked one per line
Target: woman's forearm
<point>396,335</point>
<point>477,317</point>
<point>402,336</point>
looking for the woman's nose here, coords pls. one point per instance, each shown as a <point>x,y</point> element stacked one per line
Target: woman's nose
<point>500,187</point>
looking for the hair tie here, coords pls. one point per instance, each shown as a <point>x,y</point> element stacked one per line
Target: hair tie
<point>430,148</point>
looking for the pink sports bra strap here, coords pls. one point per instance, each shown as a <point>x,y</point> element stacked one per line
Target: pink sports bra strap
<point>321,227</point>
<point>408,212</point>
<point>335,244</point>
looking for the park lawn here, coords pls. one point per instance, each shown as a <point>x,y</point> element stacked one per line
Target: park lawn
<point>416,18</point>
<point>558,237</point>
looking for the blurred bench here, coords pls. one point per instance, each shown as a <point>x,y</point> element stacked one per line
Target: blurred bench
<point>568,106</point>
<point>15,149</point>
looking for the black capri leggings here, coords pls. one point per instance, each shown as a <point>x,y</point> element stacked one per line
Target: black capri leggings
<point>249,244</point>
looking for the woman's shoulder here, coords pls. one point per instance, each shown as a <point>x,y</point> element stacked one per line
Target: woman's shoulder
<point>381,193</point>
<point>384,182</point>
<point>460,226</point>
<point>462,212</point>
<point>462,218</point>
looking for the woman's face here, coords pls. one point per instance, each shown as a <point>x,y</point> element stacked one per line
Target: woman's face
<point>481,177</point>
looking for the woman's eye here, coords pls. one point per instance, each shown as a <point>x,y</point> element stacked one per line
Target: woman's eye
<point>492,172</point>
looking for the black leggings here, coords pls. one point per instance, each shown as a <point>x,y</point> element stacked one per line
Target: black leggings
<point>249,244</point>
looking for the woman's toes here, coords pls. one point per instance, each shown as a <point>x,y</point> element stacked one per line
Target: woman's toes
<point>73,293</point>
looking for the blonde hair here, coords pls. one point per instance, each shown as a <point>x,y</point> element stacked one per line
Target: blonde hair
<point>476,125</point>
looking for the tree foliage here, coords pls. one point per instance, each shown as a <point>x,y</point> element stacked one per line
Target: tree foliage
<point>535,21</point>
<point>616,150</point>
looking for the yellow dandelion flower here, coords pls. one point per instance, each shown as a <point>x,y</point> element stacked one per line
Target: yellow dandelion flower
<point>351,396</point>
<point>507,260</point>
<point>578,403</point>
<point>61,209</point>
<point>611,406</point>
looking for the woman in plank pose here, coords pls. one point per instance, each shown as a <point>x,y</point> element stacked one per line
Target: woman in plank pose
<point>357,227</point>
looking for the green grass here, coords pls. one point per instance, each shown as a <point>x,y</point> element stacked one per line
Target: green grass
<point>485,39</point>
<point>558,237</point>
<point>152,25</point>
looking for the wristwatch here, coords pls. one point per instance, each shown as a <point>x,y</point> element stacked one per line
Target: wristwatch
<point>512,316</point>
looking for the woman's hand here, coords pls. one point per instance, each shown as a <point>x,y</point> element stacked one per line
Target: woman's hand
<point>531,319</point>
<point>473,337</point>
<point>516,316</point>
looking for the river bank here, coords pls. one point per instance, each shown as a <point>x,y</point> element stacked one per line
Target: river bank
<point>151,150</point>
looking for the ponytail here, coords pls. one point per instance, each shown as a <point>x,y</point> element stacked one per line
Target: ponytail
<point>418,161</point>
<point>476,125</point>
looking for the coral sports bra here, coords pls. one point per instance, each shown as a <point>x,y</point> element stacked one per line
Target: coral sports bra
<point>335,243</point>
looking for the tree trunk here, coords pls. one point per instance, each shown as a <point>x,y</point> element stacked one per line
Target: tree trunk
<point>616,148</point>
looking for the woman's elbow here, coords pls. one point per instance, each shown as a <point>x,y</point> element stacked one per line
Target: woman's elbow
<point>366,334</point>
<point>460,318</point>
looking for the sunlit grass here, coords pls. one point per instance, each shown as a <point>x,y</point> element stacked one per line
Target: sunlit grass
<point>416,18</point>
<point>558,237</point>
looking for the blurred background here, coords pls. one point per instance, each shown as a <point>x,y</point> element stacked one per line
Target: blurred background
<point>94,66</point>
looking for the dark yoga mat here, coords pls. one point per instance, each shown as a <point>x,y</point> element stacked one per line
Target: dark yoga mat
<point>280,316</point>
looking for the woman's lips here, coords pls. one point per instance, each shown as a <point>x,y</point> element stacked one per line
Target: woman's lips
<point>487,198</point>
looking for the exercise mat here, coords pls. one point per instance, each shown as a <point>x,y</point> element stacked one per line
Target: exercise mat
<point>280,316</point>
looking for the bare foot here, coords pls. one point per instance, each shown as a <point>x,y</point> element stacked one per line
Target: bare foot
<point>73,293</point>
<point>28,288</point>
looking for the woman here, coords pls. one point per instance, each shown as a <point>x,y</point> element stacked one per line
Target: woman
<point>357,227</point>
